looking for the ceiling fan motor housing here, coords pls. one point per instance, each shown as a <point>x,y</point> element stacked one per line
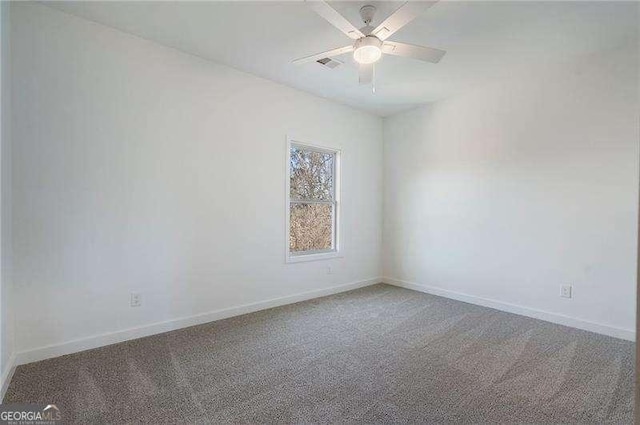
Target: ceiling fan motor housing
<point>370,40</point>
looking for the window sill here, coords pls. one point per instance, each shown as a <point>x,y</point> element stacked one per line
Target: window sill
<point>313,257</point>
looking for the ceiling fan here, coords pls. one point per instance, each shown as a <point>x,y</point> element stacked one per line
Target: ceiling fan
<point>371,42</point>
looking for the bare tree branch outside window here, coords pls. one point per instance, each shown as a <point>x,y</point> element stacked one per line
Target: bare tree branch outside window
<point>312,200</point>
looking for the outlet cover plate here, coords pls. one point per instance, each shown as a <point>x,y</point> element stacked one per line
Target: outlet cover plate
<point>136,299</point>
<point>566,291</point>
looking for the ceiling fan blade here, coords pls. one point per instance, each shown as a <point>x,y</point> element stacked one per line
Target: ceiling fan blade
<point>327,54</point>
<point>366,73</point>
<point>334,18</point>
<point>401,17</point>
<point>427,54</point>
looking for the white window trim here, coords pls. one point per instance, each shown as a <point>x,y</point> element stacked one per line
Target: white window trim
<point>337,234</point>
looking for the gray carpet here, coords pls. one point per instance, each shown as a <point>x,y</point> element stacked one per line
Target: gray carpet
<point>377,354</point>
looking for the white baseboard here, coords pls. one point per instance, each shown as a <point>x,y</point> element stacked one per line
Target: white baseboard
<point>101,340</point>
<point>6,376</point>
<point>628,334</point>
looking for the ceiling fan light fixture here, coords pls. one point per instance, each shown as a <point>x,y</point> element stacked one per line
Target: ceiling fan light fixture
<point>367,50</point>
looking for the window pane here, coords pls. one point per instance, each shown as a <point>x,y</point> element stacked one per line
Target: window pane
<point>310,227</point>
<point>311,174</point>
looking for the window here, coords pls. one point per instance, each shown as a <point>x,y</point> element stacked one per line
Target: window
<point>313,209</point>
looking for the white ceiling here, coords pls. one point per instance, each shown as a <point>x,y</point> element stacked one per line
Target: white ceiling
<point>484,41</point>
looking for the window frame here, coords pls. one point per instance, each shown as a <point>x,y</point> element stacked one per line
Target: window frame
<point>335,252</point>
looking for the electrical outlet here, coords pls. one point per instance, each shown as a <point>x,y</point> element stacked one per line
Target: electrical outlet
<point>565,291</point>
<point>136,299</point>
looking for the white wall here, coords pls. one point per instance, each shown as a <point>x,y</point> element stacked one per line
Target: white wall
<point>7,329</point>
<point>503,194</point>
<point>140,168</point>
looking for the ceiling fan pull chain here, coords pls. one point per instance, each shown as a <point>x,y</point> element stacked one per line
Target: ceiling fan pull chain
<point>373,81</point>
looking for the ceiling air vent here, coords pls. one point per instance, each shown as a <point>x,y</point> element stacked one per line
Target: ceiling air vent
<point>329,63</point>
